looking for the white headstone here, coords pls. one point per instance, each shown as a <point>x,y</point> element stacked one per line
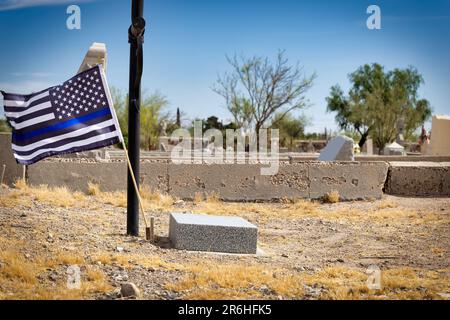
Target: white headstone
<point>96,55</point>
<point>394,149</point>
<point>338,149</point>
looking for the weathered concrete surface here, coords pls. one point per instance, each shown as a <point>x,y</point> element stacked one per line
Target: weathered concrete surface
<point>110,176</point>
<point>418,179</point>
<point>212,233</point>
<point>238,182</point>
<point>231,182</point>
<point>362,157</point>
<point>13,170</point>
<point>353,180</point>
<point>440,133</point>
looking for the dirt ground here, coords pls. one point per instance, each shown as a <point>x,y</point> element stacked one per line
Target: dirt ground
<point>308,250</point>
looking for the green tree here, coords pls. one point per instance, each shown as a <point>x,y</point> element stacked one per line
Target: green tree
<point>290,128</point>
<point>4,126</point>
<point>257,89</point>
<point>377,100</point>
<point>152,115</point>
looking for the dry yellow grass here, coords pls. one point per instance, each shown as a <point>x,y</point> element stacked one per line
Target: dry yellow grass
<point>386,204</point>
<point>213,197</point>
<point>93,189</point>
<point>240,281</point>
<point>128,261</point>
<point>234,281</point>
<point>24,277</point>
<point>331,197</point>
<point>151,200</point>
<point>382,212</point>
<point>54,196</point>
<point>198,198</point>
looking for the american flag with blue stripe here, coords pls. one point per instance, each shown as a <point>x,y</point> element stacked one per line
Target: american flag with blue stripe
<point>75,116</point>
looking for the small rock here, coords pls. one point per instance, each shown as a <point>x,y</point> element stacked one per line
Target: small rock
<point>444,295</point>
<point>285,255</point>
<point>340,260</point>
<point>121,278</point>
<point>170,295</point>
<point>179,202</point>
<point>23,215</point>
<point>129,289</point>
<point>50,237</point>
<point>119,249</point>
<point>52,277</point>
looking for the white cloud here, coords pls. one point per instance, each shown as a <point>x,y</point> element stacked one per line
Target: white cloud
<point>32,74</point>
<point>18,4</point>
<point>25,87</point>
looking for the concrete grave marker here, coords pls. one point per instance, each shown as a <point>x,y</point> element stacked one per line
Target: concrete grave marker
<point>212,233</point>
<point>440,136</point>
<point>338,149</point>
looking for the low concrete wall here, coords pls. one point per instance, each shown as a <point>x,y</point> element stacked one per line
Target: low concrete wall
<point>418,179</point>
<point>232,182</point>
<point>13,171</point>
<point>110,176</point>
<point>243,182</point>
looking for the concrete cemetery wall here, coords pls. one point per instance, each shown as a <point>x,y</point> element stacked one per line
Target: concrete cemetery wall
<point>418,179</point>
<point>232,182</point>
<point>242,182</point>
<point>13,171</point>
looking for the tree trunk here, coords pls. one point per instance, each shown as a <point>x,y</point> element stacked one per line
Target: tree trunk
<point>363,139</point>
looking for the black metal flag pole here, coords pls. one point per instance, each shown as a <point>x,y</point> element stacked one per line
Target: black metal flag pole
<point>136,39</point>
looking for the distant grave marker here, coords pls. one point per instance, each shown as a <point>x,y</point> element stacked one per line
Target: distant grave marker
<point>338,149</point>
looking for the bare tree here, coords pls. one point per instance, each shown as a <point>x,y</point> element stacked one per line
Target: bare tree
<point>256,89</point>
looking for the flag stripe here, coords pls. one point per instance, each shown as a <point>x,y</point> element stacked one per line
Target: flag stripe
<point>22,109</point>
<point>21,97</point>
<point>24,104</point>
<point>33,121</point>
<point>65,147</point>
<point>23,141</point>
<point>91,146</point>
<point>62,125</point>
<point>12,114</point>
<point>67,141</point>
<point>70,134</point>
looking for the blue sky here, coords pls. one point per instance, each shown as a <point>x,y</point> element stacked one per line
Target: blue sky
<point>186,43</point>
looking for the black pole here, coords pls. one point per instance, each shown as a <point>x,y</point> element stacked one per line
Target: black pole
<point>136,39</point>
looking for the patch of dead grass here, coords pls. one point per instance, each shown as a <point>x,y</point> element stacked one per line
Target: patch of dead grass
<point>128,260</point>
<point>24,277</point>
<point>233,281</point>
<point>241,281</point>
<point>331,197</point>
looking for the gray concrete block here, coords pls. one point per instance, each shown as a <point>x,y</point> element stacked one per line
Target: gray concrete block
<point>418,179</point>
<point>238,182</point>
<point>353,180</point>
<point>212,233</point>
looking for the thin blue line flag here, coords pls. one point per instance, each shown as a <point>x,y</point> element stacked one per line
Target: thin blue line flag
<point>75,116</point>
